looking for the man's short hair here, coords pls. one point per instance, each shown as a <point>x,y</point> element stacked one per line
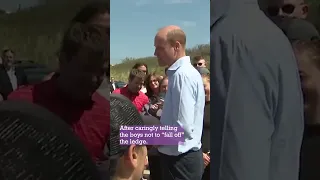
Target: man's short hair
<point>177,35</point>
<point>91,38</point>
<point>139,64</point>
<point>6,50</point>
<point>136,73</point>
<point>197,58</point>
<point>91,11</point>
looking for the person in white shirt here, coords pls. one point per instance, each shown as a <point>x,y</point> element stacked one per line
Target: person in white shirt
<point>10,77</point>
<point>112,85</point>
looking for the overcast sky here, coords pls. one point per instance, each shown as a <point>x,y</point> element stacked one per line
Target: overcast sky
<point>12,5</point>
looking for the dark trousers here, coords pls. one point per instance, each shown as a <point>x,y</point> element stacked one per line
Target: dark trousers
<point>155,167</point>
<point>206,173</point>
<point>187,166</point>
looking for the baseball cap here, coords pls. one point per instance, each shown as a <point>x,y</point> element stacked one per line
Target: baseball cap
<point>122,113</point>
<point>36,143</point>
<point>298,29</point>
<point>203,71</point>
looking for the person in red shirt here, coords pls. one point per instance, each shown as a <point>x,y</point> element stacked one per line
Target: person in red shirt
<point>132,90</point>
<point>72,93</point>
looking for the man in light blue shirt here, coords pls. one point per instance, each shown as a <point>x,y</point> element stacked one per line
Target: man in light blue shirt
<point>184,106</point>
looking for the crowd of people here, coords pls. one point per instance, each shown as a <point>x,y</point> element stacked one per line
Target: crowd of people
<point>147,91</point>
<point>265,91</point>
<point>10,77</point>
<point>264,63</point>
<point>75,93</point>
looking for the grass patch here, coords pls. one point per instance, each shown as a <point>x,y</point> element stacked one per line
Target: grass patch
<point>35,33</point>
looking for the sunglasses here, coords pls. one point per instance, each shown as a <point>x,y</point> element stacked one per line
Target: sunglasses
<point>287,9</point>
<point>197,64</point>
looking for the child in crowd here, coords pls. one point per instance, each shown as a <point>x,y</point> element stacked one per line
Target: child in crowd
<point>308,57</point>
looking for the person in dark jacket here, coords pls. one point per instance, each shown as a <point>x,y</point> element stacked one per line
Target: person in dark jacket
<point>153,154</point>
<point>205,141</point>
<point>10,76</point>
<point>257,124</point>
<point>308,57</point>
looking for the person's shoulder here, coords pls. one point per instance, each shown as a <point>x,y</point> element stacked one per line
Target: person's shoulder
<point>23,93</point>
<point>225,33</point>
<point>143,95</point>
<point>117,91</point>
<point>188,72</point>
<point>27,92</point>
<point>100,110</point>
<point>101,101</point>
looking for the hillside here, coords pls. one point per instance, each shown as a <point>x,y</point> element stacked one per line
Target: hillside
<point>35,33</point>
<point>121,71</point>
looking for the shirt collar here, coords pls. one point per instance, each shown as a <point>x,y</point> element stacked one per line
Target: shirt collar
<point>12,69</point>
<point>103,89</point>
<point>181,61</point>
<point>129,93</point>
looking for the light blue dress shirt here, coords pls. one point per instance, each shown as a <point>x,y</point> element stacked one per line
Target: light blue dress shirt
<point>184,106</point>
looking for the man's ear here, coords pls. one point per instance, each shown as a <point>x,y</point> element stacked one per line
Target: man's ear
<point>305,11</point>
<point>132,155</point>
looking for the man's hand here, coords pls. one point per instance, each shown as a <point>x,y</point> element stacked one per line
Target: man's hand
<point>154,107</point>
<point>206,159</point>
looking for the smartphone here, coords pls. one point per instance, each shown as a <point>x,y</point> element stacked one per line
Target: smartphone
<point>161,101</point>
